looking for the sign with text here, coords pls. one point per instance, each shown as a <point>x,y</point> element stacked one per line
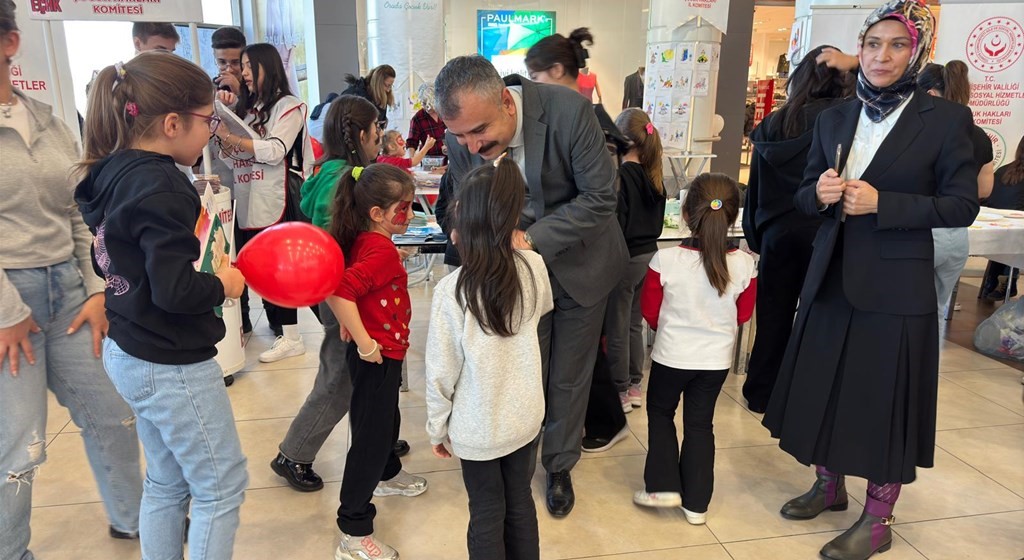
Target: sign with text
<point>990,39</point>
<point>764,99</point>
<point>117,10</point>
<point>504,36</point>
<point>715,12</point>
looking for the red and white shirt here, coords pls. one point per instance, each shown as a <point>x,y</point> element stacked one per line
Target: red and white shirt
<point>696,327</point>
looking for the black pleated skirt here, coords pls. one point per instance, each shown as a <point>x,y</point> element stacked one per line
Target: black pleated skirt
<point>857,390</point>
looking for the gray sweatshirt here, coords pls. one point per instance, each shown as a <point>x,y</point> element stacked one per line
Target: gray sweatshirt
<point>485,391</point>
<point>40,224</point>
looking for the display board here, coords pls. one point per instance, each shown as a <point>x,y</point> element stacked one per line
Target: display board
<point>504,36</point>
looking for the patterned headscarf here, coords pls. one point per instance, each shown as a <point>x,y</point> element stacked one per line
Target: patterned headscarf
<point>920,23</point>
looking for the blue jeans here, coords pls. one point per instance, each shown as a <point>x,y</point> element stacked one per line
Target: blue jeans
<point>66,364</point>
<point>192,451</point>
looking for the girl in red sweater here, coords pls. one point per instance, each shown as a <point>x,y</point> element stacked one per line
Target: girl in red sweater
<point>372,305</point>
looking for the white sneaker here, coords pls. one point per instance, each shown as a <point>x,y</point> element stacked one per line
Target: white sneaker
<point>363,548</point>
<point>283,348</point>
<point>635,395</point>
<point>403,484</point>
<point>657,499</point>
<point>627,406</point>
<point>694,518</point>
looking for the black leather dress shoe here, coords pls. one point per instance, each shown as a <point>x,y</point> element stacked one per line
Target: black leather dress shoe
<point>401,448</point>
<point>114,533</point>
<point>560,497</point>
<point>299,476</point>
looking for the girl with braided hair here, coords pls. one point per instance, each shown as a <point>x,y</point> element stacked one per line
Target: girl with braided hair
<point>351,138</point>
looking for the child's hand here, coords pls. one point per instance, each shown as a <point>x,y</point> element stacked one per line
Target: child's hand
<point>441,452</point>
<point>372,356</point>
<point>232,279</point>
<point>404,254</point>
<point>345,335</point>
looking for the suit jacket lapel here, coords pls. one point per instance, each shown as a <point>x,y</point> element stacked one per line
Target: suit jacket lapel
<point>846,127</point>
<point>534,137</point>
<point>900,137</point>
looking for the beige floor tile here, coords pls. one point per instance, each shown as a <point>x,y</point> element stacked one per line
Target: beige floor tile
<point>258,343</point>
<point>702,552</point>
<point>998,452</point>
<point>308,324</point>
<point>259,395</point>
<point>957,358</point>
<point>960,408</point>
<point>260,440</point>
<point>283,523</point>
<point>804,547</point>
<point>752,483</point>
<point>77,532</point>
<point>1001,386</point>
<point>984,537</point>
<point>65,477</point>
<point>952,488</point>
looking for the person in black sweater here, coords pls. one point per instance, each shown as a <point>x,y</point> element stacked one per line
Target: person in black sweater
<point>144,116</point>
<point>772,226</point>
<point>1007,194</point>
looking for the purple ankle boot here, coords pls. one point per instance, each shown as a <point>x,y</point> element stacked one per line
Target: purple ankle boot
<point>828,492</point>
<point>872,532</point>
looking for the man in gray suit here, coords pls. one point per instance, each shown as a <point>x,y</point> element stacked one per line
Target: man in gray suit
<point>569,218</point>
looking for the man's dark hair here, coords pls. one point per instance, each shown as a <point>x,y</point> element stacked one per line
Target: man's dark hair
<point>228,38</point>
<point>465,73</point>
<point>144,30</point>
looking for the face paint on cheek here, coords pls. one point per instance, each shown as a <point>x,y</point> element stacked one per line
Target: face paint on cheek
<point>401,217</point>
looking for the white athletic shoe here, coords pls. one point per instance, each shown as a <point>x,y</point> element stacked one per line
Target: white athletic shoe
<point>283,348</point>
<point>694,518</point>
<point>403,484</point>
<point>657,499</point>
<point>363,548</point>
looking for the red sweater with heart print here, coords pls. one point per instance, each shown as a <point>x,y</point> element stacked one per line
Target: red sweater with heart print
<point>377,282</point>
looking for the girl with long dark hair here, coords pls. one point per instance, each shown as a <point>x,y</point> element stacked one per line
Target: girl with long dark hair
<point>276,146</point>
<point>771,224</point>
<point>484,382</point>
<point>1007,194</point>
<point>695,295</point>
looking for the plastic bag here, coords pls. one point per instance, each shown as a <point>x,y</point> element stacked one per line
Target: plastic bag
<point>1002,334</point>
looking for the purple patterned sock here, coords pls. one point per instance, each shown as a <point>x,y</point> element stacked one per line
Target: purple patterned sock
<point>886,493</point>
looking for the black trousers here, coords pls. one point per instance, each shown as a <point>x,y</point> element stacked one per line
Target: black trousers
<point>374,423</point>
<point>690,471</point>
<point>785,255</point>
<point>605,417</point>
<point>502,515</point>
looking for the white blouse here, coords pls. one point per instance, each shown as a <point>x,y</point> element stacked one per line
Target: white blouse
<point>868,138</point>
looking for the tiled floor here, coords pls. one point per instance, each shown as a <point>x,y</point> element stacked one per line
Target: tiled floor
<point>971,505</point>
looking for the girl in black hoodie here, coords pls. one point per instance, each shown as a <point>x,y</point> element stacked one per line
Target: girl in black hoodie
<point>144,116</point>
<point>772,226</point>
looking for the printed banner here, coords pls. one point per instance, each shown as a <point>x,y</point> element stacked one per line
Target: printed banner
<point>30,70</point>
<point>715,12</point>
<point>990,39</point>
<point>673,80</point>
<point>117,10</point>
<point>504,36</point>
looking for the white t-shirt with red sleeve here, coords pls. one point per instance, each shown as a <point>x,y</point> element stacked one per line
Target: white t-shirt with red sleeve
<point>696,328</point>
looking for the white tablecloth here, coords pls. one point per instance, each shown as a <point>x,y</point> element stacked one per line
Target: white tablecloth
<point>998,235</point>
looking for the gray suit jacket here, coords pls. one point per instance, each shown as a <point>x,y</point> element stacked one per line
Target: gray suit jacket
<point>571,183</point>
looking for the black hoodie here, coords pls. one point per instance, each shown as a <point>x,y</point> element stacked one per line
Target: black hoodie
<point>143,212</point>
<point>641,210</point>
<point>777,171</point>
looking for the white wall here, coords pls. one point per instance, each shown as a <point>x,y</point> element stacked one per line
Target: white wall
<point>619,28</point>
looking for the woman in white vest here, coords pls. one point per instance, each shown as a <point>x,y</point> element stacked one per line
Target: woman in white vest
<point>274,145</point>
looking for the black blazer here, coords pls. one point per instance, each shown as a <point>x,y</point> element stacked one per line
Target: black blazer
<point>926,178</point>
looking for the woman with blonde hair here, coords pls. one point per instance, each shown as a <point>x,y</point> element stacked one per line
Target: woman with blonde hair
<point>376,87</point>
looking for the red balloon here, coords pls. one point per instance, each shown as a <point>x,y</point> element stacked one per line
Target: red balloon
<point>293,264</point>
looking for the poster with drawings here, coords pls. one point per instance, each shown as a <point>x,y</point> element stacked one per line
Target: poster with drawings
<point>703,58</point>
<point>716,55</point>
<point>684,55</point>
<point>677,134</point>
<point>662,108</point>
<point>701,83</point>
<point>680,107</point>
<point>666,79</point>
<point>683,78</point>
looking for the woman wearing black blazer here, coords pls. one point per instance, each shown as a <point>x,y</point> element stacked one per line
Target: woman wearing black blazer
<point>856,393</point>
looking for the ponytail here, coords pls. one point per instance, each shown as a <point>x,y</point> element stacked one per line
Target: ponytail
<point>556,49</point>
<point>361,189</point>
<point>128,101</point>
<point>637,127</point>
<point>710,209</point>
<point>950,81</point>
<point>346,118</point>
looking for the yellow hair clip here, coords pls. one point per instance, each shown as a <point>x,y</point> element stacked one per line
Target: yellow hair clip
<point>356,172</point>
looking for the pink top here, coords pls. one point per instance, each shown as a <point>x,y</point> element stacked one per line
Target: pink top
<point>587,83</point>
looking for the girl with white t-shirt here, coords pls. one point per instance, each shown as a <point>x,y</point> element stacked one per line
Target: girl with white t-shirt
<point>695,296</point>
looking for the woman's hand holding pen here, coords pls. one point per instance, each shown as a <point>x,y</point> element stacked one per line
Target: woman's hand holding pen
<point>830,187</point>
